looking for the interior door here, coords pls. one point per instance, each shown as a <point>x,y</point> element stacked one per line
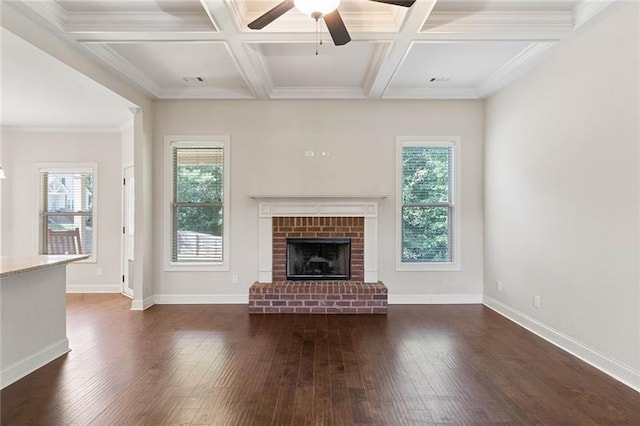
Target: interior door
<point>128,198</point>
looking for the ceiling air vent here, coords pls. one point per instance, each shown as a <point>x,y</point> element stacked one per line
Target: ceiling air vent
<point>193,80</point>
<point>439,80</point>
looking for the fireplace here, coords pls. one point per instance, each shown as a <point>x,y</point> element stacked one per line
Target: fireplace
<point>318,258</point>
<point>334,242</point>
<point>317,216</point>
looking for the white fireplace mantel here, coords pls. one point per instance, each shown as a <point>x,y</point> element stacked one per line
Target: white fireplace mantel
<point>307,205</point>
<point>318,205</point>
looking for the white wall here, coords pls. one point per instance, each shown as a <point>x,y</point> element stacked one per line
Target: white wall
<point>52,44</point>
<point>127,144</point>
<point>268,140</point>
<point>1,192</point>
<point>561,196</point>
<point>22,152</point>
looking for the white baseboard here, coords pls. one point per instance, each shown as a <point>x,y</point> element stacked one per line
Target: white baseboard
<point>141,305</point>
<point>200,299</point>
<point>17,370</point>
<point>434,299</point>
<point>94,288</point>
<point>619,371</point>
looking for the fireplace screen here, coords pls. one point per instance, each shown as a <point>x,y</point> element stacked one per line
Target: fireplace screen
<point>318,258</point>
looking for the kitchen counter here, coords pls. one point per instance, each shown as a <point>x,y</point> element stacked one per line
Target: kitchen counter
<point>33,313</point>
<point>10,265</point>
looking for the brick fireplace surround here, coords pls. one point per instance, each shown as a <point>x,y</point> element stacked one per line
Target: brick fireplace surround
<point>318,227</point>
<point>318,218</point>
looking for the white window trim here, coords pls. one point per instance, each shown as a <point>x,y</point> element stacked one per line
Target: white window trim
<point>69,168</point>
<point>216,141</point>
<point>433,141</point>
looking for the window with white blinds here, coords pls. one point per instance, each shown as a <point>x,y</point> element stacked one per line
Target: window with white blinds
<point>198,203</point>
<point>67,220</point>
<point>427,204</point>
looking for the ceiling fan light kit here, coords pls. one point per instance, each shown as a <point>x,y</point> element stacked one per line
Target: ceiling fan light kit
<point>325,9</point>
<point>313,7</point>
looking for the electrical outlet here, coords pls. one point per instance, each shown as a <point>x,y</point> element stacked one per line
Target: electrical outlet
<point>536,302</point>
<point>309,153</point>
<point>99,272</point>
<point>235,279</point>
<point>499,284</point>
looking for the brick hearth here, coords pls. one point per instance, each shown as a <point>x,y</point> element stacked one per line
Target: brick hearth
<point>318,297</point>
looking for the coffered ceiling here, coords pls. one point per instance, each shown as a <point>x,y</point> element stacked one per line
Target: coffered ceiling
<point>203,49</point>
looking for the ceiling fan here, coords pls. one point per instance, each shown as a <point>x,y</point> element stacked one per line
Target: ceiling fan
<point>325,9</point>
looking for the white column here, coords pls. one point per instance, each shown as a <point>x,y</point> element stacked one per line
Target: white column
<point>265,251</point>
<point>370,249</point>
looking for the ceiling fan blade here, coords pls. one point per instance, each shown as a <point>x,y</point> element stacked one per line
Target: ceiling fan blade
<point>337,29</point>
<point>408,3</point>
<point>271,15</point>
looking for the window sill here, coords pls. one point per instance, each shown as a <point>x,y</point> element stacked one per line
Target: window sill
<point>427,267</point>
<point>195,267</point>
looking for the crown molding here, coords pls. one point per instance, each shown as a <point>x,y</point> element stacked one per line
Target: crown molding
<point>50,11</point>
<point>586,10</point>
<point>124,67</point>
<point>206,93</point>
<point>317,93</point>
<point>430,93</point>
<point>144,37</point>
<point>64,129</point>
<point>136,22</point>
<point>462,22</point>
<point>517,66</point>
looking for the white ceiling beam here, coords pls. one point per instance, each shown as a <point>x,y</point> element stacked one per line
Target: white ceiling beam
<point>254,76</point>
<point>415,19</point>
<point>137,37</point>
<point>498,22</point>
<point>138,22</point>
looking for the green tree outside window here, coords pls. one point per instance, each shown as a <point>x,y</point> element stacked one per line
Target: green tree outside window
<point>427,203</point>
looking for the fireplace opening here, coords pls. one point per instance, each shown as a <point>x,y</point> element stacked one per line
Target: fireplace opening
<point>318,259</point>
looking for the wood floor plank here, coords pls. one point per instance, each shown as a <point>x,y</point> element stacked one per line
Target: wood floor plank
<point>217,365</point>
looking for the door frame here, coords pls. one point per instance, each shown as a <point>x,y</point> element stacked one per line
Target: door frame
<point>127,287</point>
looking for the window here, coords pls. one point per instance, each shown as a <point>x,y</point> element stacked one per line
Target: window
<point>199,193</point>
<point>67,219</point>
<point>428,212</point>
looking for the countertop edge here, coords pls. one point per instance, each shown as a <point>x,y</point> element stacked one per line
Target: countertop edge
<point>21,264</point>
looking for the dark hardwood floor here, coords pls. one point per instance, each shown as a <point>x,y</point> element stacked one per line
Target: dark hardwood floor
<point>215,364</point>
